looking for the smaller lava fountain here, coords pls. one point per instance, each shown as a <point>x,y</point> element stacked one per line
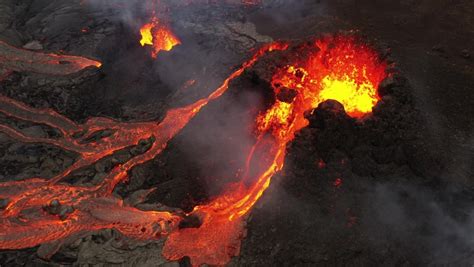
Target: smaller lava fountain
<point>159,36</point>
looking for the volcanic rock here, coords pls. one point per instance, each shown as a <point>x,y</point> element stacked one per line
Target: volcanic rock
<point>56,208</point>
<point>33,45</point>
<point>4,203</point>
<point>36,131</point>
<point>439,48</point>
<point>387,85</point>
<point>112,249</point>
<point>190,222</point>
<point>142,146</point>
<point>287,95</point>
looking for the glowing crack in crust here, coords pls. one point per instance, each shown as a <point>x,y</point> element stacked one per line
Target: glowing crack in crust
<point>337,68</point>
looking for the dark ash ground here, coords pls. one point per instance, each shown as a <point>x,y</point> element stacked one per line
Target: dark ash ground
<point>406,196</point>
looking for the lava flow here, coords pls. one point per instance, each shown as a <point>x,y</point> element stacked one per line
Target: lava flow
<point>39,211</point>
<point>336,68</point>
<point>157,35</point>
<point>16,59</point>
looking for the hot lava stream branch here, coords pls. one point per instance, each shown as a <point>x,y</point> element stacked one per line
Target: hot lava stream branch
<point>74,210</point>
<point>16,59</point>
<point>48,211</point>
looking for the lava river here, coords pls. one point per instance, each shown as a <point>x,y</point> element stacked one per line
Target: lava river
<point>40,211</point>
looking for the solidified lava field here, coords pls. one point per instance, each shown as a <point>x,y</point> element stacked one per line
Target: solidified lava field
<point>236,133</point>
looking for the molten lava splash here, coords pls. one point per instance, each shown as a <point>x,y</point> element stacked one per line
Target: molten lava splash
<point>159,36</point>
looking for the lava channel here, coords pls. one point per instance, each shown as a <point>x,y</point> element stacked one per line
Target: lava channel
<point>47,212</point>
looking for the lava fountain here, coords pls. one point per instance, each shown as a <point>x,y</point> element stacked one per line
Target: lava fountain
<point>159,36</point>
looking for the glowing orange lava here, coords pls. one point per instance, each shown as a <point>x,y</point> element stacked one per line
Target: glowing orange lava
<point>17,59</point>
<point>159,36</point>
<point>341,70</point>
<point>334,68</point>
<point>23,221</point>
<point>337,68</point>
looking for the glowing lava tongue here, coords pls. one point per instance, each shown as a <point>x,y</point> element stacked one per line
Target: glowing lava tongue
<point>336,68</point>
<point>159,36</point>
